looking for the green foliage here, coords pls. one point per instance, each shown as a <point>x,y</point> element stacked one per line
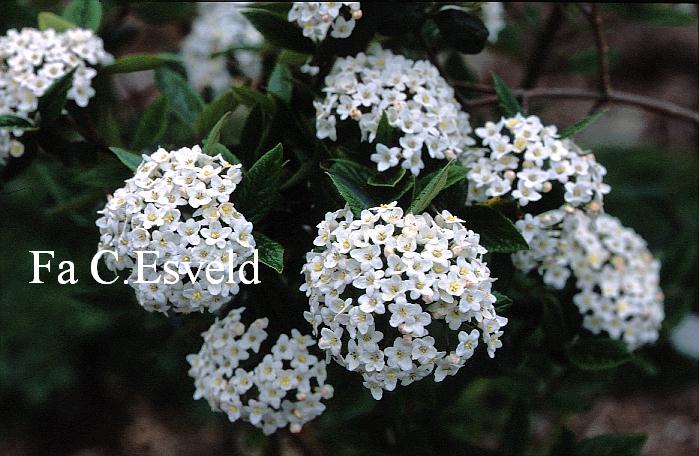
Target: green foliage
<point>258,192</point>
<point>598,353</point>
<point>139,62</point>
<point>84,13</point>
<point>184,102</point>
<point>14,122</point>
<point>48,20</point>
<point>580,125</point>
<point>508,102</point>
<point>280,83</point>
<point>498,233</point>
<point>271,252</point>
<point>428,187</point>
<point>153,125</point>
<point>278,31</point>
<point>384,132</point>
<point>353,193</point>
<point>129,159</point>
<point>461,30</point>
<point>215,135</point>
<point>54,99</point>
<point>611,445</point>
<point>212,112</point>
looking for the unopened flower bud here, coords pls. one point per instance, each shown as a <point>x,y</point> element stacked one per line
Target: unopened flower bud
<point>357,14</point>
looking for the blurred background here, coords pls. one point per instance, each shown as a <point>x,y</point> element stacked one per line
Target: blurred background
<point>85,371</point>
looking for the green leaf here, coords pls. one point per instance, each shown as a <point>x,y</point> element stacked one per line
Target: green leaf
<point>271,252</point>
<point>184,101</point>
<point>611,445</point>
<point>213,111</point>
<point>384,132</point>
<point>258,193</point>
<point>463,31</point>
<point>253,134</point>
<point>429,187</point>
<point>503,302</point>
<point>15,123</point>
<point>215,134</point>
<point>48,20</point>
<point>497,232</point>
<point>84,13</point>
<point>553,321</point>
<point>598,353</point>
<point>388,178</point>
<point>278,31</point>
<point>153,125</point>
<point>129,159</point>
<point>355,196</point>
<point>280,83</point>
<point>581,125</point>
<point>249,97</point>
<point>52,102</point>
<point>508,102</point>
<point>227,155</point>
<point>139,62</point>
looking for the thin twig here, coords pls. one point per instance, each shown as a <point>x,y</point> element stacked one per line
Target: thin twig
<point>593,16</point>
<point>543,47</point>
<point>616,97</point>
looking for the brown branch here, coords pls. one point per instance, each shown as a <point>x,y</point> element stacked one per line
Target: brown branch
<point>595,19</point>
<point>616,97</point>
<point>543,47</point>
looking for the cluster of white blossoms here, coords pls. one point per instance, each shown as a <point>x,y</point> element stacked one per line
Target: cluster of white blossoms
<point>285,388</point>
<point>178,205</point>
<point>400,274</point>
<point>218,28</point>
<point>316,18</point>
<point>415,98</point>
<point>617,277</point>
<point>522,157</point>
<point>31,61</point>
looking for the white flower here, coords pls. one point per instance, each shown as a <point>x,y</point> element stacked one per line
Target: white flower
<point>523,158</point>
<point>316,18</point>
<point>409,274</point>
<point>219,27</point>
<point>616,276</point>
<point>31,61</point>
<point>493,14</point>
<point>172,206</point>
<point>285,388</point>
<point>416,100</point>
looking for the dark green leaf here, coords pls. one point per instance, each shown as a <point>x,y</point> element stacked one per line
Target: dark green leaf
<point>384,132</point>
<point>517,429</point>
<point>498,233</point>
<point>139,62</point>
<point>15,123</point>
<point>278,31</point>
<point>183,100</point>
<point>598,353</point>
<point>153,125</point>
<point>52,102</point>
<point>428,187</point>
<point>227,155</point>
<point>552,321</point>
<point>84,13</point>
<point>52,21</point>
<point>461,30</point>
<point>353,193</point>
<point>581,125</point>
<point>355,172</point>
<point>611,445</point>
<point>280,83</point>
<point>258,193</point>
<point>215,134</point>
<point>213,111</point>
<point>253,134</point>
<point>388,178</point>
<point>508,102</point>
<point>503,302</point>
<point>249,97</point>
<point>271,252</point>
<point>129,159</point>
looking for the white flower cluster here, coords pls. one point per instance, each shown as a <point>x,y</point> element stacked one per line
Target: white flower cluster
<point>178,205</point>
<point>522,157</point>
<point>401,273</point>
<point>219,27</point>
<point>31,60</point>
<point>415,98</point>
<point>316,18</point>
<point>617,276</point>
<point>285,388</point>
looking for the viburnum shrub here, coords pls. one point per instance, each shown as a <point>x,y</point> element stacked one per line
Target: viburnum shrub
<point>462,275</point>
